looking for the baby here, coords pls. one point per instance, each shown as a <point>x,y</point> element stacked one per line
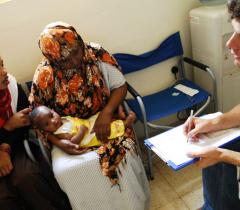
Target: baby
<point>75,129</point>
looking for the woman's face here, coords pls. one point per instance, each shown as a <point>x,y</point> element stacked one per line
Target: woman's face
<point>234,42</point>
<point>74,61</point>
<point>3,76</point>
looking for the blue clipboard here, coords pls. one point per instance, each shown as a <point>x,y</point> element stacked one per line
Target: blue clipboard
<point>170,163</point>
<point>175,167</point>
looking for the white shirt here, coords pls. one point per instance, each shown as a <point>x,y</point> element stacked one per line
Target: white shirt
<point>13,89</point>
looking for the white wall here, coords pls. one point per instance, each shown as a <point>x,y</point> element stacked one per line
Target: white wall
<point>132,26</point>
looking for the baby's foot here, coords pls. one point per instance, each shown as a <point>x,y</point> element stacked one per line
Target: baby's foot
<point>131,118</point>
<point>121,113</point>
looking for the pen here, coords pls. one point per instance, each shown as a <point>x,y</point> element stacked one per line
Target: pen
<point>190,122</point>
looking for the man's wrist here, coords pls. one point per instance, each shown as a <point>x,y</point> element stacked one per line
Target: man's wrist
<point>221,155</point>
<point>216,123</point>
<point>229,156</point>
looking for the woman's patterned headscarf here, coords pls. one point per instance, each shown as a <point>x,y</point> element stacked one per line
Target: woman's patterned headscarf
<point>79,91</point>
<point>58,41</point>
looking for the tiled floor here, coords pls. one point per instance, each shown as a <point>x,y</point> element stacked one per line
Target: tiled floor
<point>170,190</point>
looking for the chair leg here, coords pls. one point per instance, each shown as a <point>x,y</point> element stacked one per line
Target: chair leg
<point>150,165</point>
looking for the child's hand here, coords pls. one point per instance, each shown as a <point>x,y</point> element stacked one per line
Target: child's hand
<point>5,148</point>
<point>18,120</point>
<point>5,164</point>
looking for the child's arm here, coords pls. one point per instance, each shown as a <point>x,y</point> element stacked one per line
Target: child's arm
<point>79,136</point>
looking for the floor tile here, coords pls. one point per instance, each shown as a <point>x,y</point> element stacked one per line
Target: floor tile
<point>194,199</point>
<point>183,181</point>
<point>177,204</point>
<point>161,192</point>
<point>175,190</point>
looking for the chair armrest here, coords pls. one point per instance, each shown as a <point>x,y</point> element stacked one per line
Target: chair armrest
<point>28,150</point>
<point>45,152</point>
<point>203,67</point>
<point>138,97</point>
<point>38,143</point>
<point>196,63</point>
<point>210,73</point>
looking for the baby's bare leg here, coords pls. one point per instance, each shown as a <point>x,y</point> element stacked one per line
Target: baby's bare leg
<point>131,118</point>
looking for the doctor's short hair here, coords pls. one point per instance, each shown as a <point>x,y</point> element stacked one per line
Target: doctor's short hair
<point>234,8</point>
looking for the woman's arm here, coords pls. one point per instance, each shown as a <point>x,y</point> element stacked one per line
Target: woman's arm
<point>116,98</point>
<point>116,84</point>
<point>102,124</point>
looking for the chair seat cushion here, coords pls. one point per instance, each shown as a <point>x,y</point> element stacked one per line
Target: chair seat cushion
<point>168,101</point>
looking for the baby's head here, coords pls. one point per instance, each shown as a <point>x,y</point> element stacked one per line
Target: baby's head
<point>45,119</point>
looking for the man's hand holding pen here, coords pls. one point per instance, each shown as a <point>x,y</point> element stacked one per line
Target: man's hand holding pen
<point>195,126</point>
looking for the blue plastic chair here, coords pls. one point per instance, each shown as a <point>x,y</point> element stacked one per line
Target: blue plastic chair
<point>165,102</point>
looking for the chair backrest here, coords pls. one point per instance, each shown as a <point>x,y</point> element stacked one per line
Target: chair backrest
<point>169,48</point>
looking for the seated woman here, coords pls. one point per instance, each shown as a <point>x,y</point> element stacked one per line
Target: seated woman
<point>80,80</point>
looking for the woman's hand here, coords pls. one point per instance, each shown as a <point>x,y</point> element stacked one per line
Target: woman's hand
<point>18,120</point>
<point>102,126</point>
<point>5,164</point>
<point>69,147</point>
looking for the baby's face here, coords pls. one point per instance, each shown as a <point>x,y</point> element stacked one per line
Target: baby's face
<point>49,121</point>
